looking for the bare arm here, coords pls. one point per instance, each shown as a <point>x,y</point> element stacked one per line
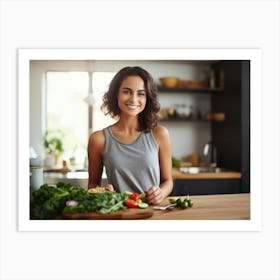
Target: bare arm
<point>96,146</point>
<point>157,193</point>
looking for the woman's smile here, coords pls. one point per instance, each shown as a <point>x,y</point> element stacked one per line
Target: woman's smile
<point>132,106</point>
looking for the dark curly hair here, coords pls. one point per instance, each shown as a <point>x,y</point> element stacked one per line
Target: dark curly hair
<point>148,117</point>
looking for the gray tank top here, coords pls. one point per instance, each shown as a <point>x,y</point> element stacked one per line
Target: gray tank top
<point>131,167</point>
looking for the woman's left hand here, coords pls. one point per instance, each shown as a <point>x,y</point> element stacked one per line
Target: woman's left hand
<point>154,195</point>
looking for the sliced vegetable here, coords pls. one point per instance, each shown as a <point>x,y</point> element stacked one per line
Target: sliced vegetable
<point>143,205</point>
<point>172,200</point>
<point>127,193</point>
<point>131,203</point>
<point>73,203</point>
<point>143,197</point>
<point>134,196</point>
<point>136,200</point>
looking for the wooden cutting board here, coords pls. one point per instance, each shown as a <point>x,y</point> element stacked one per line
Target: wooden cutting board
<point>127,214</point>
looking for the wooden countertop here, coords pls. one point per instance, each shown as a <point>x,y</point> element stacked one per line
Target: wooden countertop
<point>176,174</point>
<point>209,207</point>
<point>206,207</point>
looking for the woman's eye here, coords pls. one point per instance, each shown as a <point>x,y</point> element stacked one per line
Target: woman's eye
<point>126,91</point>
<point>141,93</point>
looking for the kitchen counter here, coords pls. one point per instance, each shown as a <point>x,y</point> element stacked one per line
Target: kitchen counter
<point>206,207</point>
<point>176,174</point>
<point>80,178</point>
<point>209,207</point>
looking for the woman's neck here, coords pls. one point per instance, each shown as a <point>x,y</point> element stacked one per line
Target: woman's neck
<point>129,125</point>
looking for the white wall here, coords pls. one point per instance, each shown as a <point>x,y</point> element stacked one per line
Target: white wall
<point>186,137</point>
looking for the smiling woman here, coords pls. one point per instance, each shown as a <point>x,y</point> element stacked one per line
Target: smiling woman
<point>135,150</point>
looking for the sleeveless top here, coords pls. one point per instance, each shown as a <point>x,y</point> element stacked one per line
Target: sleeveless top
<point>131,167</point>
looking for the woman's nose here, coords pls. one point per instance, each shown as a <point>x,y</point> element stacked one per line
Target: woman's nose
<point>134,95</point>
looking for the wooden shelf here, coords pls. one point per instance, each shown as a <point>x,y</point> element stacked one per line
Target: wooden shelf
<point>188,120</point>
<point>162,89</point>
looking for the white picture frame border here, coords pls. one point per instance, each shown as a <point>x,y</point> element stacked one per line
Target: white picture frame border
<point>252,54</point>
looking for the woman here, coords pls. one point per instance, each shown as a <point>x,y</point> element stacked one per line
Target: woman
<point>135,150</point>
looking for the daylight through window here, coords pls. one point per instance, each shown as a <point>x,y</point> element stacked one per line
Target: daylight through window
<point>66,109</point>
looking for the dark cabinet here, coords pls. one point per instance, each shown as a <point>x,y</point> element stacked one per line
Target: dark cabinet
<point>232,136</point>
<point>205,186</point>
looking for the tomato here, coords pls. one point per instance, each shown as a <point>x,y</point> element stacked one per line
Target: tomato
<point>134,200</point>
<point>131,203</point>
<point>134,196</point>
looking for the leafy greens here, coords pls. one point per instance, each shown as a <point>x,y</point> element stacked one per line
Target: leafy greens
<point>49,201</point>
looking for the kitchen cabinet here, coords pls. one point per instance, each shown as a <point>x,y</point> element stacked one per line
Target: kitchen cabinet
<point>232,137</point>
<point>205,186</point>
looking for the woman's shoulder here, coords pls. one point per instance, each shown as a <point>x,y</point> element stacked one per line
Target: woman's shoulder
<point>97,138</point>
<point>160,133</point>
<point>97,134</point>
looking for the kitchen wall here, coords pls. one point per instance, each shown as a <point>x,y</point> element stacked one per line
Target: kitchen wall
<point>186,137</point>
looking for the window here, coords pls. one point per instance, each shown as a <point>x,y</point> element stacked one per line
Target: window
<point>100,82</point>
<point>67,110</point>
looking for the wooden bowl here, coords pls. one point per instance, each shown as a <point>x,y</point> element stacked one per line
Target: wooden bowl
<point>196,84</point>
<point>169,81</point>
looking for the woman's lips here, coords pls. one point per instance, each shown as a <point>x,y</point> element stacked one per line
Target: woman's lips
<point>132,106</point>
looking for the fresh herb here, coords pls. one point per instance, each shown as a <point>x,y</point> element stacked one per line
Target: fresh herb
<point>104,203</point>
<point>49,201</point>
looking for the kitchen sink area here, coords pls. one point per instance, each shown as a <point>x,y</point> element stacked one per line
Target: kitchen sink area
<point>204,172</point>
<point>201,180</point>
<point>198,169</point>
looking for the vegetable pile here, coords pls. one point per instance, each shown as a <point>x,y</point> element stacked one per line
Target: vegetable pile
<point>136,200</point>
<point>49,201</point>
<point>182,202</point>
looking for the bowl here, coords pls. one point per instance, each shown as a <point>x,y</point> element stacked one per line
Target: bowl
<point>169,81</point>
<point>196,84</point>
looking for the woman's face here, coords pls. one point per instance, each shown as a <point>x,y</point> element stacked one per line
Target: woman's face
<point>132,96</point>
